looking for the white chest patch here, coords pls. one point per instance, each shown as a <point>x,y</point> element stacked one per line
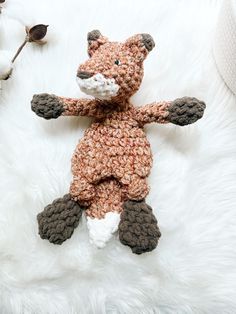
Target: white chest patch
<point>99,86</point>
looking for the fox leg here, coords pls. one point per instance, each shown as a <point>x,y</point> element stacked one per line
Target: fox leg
<point>136,187</point>
<point>82,191</point>
<point>58,220</point>
<point>138,227</point>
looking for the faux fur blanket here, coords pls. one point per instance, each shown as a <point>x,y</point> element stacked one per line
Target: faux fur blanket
<point>193,179</point>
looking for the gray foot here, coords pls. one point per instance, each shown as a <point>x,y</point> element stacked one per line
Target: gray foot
<point>59,219</point>
<point>138,227</point>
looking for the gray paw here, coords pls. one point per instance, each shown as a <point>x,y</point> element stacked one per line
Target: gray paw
<point>138,227</point>
<point>59,219</point>
<point>186,110</point>
<point>47,106</point>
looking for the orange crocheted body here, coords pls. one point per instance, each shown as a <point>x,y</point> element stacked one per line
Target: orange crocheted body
<point>114,154</point>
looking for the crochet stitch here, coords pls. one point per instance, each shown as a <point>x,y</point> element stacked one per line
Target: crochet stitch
<point>59,219</point>
<point>112,161</point>
<point>138,227</point>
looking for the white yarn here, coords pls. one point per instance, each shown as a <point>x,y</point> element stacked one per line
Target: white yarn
<point>99,86</point>
<point>101,230</point>
<point>225,43</point>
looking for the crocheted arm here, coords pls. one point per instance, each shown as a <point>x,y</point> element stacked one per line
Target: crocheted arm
<point>181,111</point>
<point>49,106</point>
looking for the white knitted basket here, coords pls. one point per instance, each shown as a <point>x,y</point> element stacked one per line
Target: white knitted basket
<point>224,46</point>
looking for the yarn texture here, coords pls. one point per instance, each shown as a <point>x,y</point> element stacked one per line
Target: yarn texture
<point>112,161</point>
<point>59,219</point>
<point>138,227</point>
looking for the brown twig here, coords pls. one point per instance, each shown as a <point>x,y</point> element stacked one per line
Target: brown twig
<point>19,49</point>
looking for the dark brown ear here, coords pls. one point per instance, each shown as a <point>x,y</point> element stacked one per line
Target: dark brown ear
<point>148,41</point>
<point>141,45</point>
<point>95,40</point>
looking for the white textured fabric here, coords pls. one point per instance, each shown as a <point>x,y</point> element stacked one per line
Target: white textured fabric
<point>225,43</point>
<point>101,230</point>
<point>98,86</point>
<point>193,180</point>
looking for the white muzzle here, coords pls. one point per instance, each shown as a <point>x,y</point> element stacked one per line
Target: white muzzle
<point>99,87</point>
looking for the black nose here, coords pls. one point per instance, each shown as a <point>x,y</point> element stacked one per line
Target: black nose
<point>84,74</point>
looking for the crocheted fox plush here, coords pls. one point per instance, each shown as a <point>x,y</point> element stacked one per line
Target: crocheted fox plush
<point>112,161</point>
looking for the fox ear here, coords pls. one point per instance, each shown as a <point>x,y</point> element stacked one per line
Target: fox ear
<point>140,45</point>
<point>95,40</point>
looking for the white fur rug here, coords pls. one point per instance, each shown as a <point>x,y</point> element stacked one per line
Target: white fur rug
<point>193,180</point>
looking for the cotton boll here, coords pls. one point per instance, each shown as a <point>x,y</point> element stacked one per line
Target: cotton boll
<point>5,64</point>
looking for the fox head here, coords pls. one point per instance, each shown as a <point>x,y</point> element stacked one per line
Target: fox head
<point>114,71</point>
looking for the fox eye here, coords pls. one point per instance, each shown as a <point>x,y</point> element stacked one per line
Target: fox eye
<point>117,62</point>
